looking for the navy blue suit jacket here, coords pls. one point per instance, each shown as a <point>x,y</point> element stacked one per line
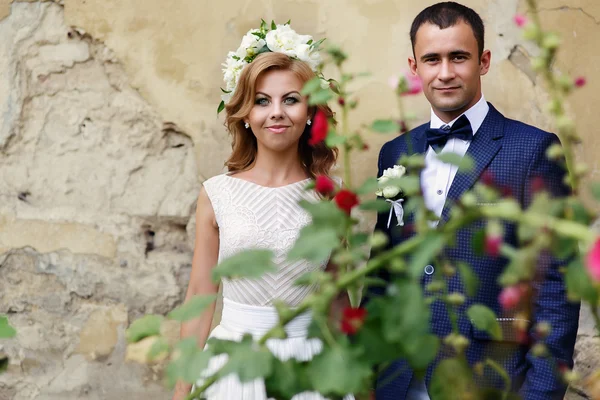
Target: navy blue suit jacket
<point>513,153</point>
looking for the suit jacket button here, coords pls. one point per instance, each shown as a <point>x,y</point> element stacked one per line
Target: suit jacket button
<point>429,269</point>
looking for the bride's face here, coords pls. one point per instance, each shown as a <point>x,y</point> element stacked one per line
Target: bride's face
<point>280,112</point>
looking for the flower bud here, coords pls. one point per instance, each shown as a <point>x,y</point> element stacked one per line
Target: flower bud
<point>539,350</point>
<point>436,286</point>
<point>542,329</point>
<point>538,64</point>
<point>378,240</point>
<point>580,81</point>
<point>555,152</point>
<point>551,41</point>
<point>456,299</point>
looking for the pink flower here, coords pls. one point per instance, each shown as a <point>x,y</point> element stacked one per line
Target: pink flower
<point>593,261</point>
<point>413,83</point>
<point>520,20</point>
<point>510,297</point>
<point>324,185</point>
<point>580,81</point>
<point>393,82</point>
<point>346,200</point>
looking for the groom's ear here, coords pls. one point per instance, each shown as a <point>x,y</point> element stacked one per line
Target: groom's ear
<point>412,64</point>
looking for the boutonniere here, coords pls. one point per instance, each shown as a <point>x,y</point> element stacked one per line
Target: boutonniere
<point>392,193</point>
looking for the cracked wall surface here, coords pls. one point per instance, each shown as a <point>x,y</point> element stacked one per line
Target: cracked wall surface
<point>108,124</point>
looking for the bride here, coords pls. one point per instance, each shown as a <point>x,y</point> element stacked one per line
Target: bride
<point>255,204</point>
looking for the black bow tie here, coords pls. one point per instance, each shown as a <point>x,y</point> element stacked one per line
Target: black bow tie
<point>461,129</point>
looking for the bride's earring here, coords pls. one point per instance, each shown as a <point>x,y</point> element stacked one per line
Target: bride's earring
<point>309,122</point>
<point>246,125</point>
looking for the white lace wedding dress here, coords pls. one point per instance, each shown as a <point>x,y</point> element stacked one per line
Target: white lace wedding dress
<point>254,216</point>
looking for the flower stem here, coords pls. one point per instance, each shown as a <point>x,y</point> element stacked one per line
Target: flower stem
<point>507,382</point>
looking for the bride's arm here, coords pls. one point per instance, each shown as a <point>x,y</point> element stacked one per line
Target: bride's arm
<point>206,251</point>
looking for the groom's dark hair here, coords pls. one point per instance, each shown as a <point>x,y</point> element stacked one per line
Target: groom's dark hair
<point>447,14</point>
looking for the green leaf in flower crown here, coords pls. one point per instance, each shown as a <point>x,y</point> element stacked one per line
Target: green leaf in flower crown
<point>241,355</point>
<point>324,371</point>
<point>430,247</point>
<point>595,188</point>
<point>287,379</point>
<point>464,163</point>
<point>311,86</point>
<point>148,325</point>
<point>579,285</point>
<point>221,107</point>
<point>378,205</point>
<point>193,308</point>
<point>484,319</point>
<point>452,373</point>
<point>316,44</point>
<point>245,264</point>
<point>369,186</point>
<point>325,214</point>
<point>469,279</point>
<point>6,331</point>
<point>321,96</point>
<point>314,244</point>
<point>189,362</point>
<point>263,25</point>
<point>273,25</point>
<point>385,126</point>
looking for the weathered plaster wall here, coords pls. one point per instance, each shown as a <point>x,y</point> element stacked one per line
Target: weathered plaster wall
<point>106,131</point>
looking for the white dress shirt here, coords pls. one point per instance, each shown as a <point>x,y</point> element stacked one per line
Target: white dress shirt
<point>437,176</point>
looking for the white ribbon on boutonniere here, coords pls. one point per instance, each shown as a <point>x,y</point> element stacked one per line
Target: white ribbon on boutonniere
<point>389,189</point>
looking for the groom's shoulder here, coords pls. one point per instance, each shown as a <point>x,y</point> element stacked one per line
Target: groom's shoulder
<point>401,143</point>
<point>524,134</point>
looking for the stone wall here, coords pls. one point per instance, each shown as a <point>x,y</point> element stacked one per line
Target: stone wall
<point>108,126</point>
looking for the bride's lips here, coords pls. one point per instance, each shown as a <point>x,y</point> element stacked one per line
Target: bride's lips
<point>277,128</point>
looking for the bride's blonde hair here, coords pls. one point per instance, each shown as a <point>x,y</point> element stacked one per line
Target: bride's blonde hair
<point>316,160</point>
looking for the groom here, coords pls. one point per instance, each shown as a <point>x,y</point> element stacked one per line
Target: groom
<point>449,57</point>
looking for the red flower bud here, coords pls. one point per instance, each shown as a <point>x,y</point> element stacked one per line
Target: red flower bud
<point>352,320</point>
<point>510,297</point>
<point>487,178</point>
<point>320,127</point>
<point>365,147</point>
<point>492,245</point>
<point>538,184</point>
<point>324,185</point>
<point>341,101</point>
<point>580,81</point>
<point>346,200</point>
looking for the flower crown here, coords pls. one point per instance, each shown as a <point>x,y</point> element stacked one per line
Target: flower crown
<point>277,39</point>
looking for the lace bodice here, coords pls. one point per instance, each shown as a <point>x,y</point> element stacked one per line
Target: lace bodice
<point>254,216</point>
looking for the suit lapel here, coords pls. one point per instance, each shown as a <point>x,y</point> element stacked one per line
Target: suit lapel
<point>482,150</point>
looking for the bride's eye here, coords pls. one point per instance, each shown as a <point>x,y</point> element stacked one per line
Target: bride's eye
<point>261,101</point>
<point>290,100</point>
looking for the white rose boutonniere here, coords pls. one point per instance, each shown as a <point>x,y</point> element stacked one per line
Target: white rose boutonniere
<point>391,191</point>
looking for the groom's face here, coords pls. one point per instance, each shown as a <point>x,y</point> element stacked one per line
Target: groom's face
<point>448,63</point>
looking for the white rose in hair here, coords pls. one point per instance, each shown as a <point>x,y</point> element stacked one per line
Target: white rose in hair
<point>250,45</point>
<point>285,40</point>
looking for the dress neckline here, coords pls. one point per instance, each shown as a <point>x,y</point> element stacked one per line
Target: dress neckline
<point>269,187</point>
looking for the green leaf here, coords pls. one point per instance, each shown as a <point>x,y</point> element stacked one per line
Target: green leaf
<point>241,356</point>
<point>159,347</point>
<point>148,325</point>
<point>6,331</point>
<point>369,186</point>
<point>311,86</point>
<point>464,163</point>
<point>189,363</point>
<point>422,351</point>
<point>310,278</point>
<point>287,379</point>
<point>478,242</point>
<point>316,44</point>
<point>334,140</point>
<point>273,25</point>
<point>405,315</point>
<point>245,264</point>
<point>321,96</point>
<point>469,279</point>
<point>595,188</point>
<point>326,215</point>
<point>429,247</point>
<point>314,244</point>
<point>193,308</point>
<point>484,319</point>
<point>452,373</point>
<point>289,21</point>
<point>385,126</point>
<point>221,107</point>
<point>324,371</point>
<point>379,205</point>
<point>225,91</point>
<point>579,285</point>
